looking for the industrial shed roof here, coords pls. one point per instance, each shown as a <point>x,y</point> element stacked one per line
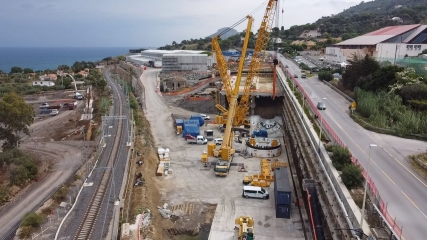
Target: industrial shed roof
<point>379,35</point>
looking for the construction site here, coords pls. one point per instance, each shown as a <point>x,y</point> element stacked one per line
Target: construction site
<point>223,163</point>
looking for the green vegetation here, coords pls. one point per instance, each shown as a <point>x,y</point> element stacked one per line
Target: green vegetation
<point>390,99</point>
<point>30,223</point>
<point>20,80</point>
<point>15,117</point>
<point>351,174</point>
<point>326,76</point>
<point>340,157</point>
<point>18,169</point>
<point>386,110</point>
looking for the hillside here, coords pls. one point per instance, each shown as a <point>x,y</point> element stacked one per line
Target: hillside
<point>369,16</point>
<point>354,21</point>
<point>226,35</point>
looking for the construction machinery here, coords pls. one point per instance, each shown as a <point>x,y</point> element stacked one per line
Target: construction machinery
<point>236,113</point>
<point>226,151</point>
<point>263,38</point>
<point>265,177</point>
<point>245,231</point>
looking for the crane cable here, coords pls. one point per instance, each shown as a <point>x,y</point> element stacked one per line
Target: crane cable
<point>243,19</point>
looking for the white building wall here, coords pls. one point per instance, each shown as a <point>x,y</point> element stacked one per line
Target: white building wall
<point>391,50</point>
<point>334,55</point>
<point>43,83</point>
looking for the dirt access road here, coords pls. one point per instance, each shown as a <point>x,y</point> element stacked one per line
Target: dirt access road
<point>60,159</point>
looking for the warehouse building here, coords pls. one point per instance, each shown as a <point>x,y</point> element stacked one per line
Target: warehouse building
<point>174,60</point>
<point>386,44</point>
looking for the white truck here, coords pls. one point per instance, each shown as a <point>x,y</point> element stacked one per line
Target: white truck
<point>196,140</point>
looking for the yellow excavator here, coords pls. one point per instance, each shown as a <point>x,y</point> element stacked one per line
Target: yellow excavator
<point>245,231</point>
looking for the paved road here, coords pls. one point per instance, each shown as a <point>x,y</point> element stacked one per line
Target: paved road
<point>399,185</point>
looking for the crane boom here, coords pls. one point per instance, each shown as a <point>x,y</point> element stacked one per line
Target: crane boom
<point>260,47</point>
<point>227,144</point>
<point>223,71</point>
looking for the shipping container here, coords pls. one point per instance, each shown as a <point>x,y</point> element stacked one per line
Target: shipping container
<point>282,187</point>
<point>283,211</point>
<point>190,122</point>
<point>198,118</point>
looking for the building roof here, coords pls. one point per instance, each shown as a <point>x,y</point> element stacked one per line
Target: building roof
<point>185,54</point>
<point>415,33</point>
<point>172,51</point>
<point>393,30</point>
<point>379,35</point>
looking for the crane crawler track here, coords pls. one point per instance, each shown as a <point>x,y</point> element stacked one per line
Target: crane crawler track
<point>87,225</point>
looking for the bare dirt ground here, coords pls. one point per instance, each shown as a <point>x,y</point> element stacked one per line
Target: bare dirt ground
<point>57,142</point>
<point>193,194</point>
<point>189,218</point>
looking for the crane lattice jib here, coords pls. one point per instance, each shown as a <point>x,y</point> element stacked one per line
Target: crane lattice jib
<point>222,68</point>
<point>260,47</point>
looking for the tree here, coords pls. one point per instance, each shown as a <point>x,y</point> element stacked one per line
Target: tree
<point>15,117</point>
<point>403,78</point>
<point>32,219</point>
<point>382,79</point>
<point>121,58</point>
<point>28,70</point>
<point>340,157</point>
<point>351,176</point>
<point>359,70</point>
<point>15,70</point>
<point>327,76</point>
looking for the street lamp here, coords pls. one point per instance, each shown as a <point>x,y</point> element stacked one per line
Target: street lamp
<point>320,129</point>
<point>366,185</point>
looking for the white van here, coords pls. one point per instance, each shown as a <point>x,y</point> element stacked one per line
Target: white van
<point>218,141</point>
<point>255,192</point>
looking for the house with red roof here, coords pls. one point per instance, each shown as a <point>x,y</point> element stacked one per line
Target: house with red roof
<point>386,44</point>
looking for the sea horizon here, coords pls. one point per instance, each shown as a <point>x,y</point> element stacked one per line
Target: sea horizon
<point>42,58</point>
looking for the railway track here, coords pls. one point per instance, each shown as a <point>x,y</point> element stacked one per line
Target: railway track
<point>87,225</point>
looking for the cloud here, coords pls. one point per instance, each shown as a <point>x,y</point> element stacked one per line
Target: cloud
<point>141,23</point>
<point>26,6</point>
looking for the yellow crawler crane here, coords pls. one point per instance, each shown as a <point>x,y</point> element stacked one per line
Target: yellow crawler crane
<point>261,44</point>
<point>263,38</point>
<point>245,231</point>
<point>226,151</point>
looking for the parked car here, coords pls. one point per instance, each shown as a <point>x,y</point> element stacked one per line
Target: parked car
<point>321,106</point>
<point>54,112</point>
<point>286,66</point>
<point>295,76</point>
<point>44,106</point>
<point>205,117</point>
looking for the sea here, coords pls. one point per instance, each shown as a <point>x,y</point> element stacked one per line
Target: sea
<point>51,58</point>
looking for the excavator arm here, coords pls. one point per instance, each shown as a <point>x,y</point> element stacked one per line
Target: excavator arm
<point>259,52</point>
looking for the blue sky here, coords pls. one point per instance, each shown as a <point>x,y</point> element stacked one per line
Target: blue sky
<point>139,23</point>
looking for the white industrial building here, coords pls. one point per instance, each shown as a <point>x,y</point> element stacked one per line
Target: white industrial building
<point>174,60</point>
<point>385,44</point>
<point>184,62</point>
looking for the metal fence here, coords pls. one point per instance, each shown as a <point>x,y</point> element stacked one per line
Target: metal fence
<point>380,204</point>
